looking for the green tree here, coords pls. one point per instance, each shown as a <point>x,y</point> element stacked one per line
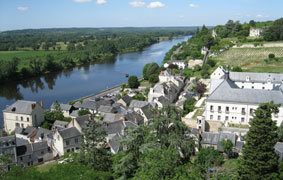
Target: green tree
<point>133,82</point>
<point>227,146</point>
<point>144,71</point>
<point>259,160</point>
<point>154,78</point>
<point>252,23</point>
<point>153,68</point>
<point>71,47</point>
<point>93,148</point>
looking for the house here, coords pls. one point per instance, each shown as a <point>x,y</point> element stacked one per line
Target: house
<point>23,114</point>
<point>8,147</point>
<point>65,140</point>
<point>236,95</point>
<point>92,105</point>
<point>256,32</point>
<point>65,108</point>
<point>81,122</point>
<point>180,63</point>
<point>41,135</point>
<point>169,86</point>
<point>110,118</point>
<point>106,109</point>
<point>125,101</point>
<point>27,133</point>
<point>134,117</point>
<point>33,154</point>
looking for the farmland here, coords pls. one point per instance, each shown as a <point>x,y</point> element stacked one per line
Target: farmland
<point>253,59</point>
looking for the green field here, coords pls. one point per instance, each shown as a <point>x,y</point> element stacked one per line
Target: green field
<point>252,59</point>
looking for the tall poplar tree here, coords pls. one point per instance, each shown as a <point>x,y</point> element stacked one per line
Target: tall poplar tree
<point>259,159</point>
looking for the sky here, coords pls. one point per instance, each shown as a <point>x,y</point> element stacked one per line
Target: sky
<point>26,14</point>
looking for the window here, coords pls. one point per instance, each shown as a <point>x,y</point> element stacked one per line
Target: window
<point>251,111</point>
<point>68,150</point>
<point>263,88</point>
<point>252,87</point>
<point>211,108</point>
<point>22,125</point>
<point>28,163</point>
<point>199,121</point>
<point>27,119</point>
<point>22,118</point>
<point>219,109</point>
<point>17,118</point>
<point>211,117</point>
<point>67,142</point>
<point>242,87</point>
<point>29,156</point>
<point>21,158</point>
<point>73,149</point>
<point>226,118</point>
<point>242,119</point>
<point>219,118</point>
<point>243,111</point>
<point>76,140</point>
<point>17,124</point>
<point>227,109</point>
<point>42,152</point>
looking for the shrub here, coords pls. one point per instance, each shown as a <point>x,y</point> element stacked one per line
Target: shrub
<point>271,56</point>
<point>133,82</point>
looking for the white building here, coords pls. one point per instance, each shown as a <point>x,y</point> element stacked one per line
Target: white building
<point>65,140</point>
<point>23,114</point>
<point>180,63</point>
<point>204,50</point>
<point>65,108</point>
<point>235,95</point>
<point>255,32</point>
<point>169,87</point>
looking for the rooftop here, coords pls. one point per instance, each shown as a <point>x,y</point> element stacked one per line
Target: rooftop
<point>21,107</point>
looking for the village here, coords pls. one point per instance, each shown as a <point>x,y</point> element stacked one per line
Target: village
<point>224,106</point>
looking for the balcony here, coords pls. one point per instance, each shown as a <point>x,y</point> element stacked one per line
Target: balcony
<point>243,113</point>
<point>227,112</point>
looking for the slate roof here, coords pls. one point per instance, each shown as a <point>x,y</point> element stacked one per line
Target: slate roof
<point>69,133</point>
<point>134,117</point>
<point>29,131</point>
<point>114,128</point>
<point>21,107</point>
<point>127,99</point>
<point>228,91</point>
<point>60,124</point>
<point>39,146</point>
<point>110,117</point>
<point>147,112</point>
<point>105,109</point>
<point>138,104</point>
<point>75,113</point>
<point>114,143</point>
<point>86,104</point>
<point>83,120</point>
<point>8,139</point>
<point>256,77</point>
<point>42,132</point>
<point>64,107</point>
<point>209,138</point>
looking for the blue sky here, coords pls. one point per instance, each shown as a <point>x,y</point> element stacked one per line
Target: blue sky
<point>23,14</point>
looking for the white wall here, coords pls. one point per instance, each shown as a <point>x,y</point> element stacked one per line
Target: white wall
<point>235,114</point>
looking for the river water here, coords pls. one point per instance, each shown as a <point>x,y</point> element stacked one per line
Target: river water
<point>82,81</point>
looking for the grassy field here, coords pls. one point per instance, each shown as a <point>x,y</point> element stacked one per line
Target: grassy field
<point>252,59</point>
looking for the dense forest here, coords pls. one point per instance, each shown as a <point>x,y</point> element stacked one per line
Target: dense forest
<point>27,53</point>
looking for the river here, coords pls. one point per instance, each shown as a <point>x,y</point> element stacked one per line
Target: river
<point>82,81</point>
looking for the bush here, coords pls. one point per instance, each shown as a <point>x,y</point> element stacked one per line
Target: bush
<point>271,56</point>
<point>211,63</point>
<point>189,105</point>
<point>153,78</point>
<point>237,69</point>
<point>83,112</point>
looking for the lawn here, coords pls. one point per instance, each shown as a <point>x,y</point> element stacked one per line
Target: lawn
<point>252,59</point>
<point>46,167</point>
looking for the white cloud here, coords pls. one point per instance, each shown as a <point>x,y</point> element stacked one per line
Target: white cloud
<point>137,3</point>
<point>261,16</point>
<point>156,4</point>
<point>193,5</point>
<point>22,8</point>
<point>82,1</point>
<point>101,2</point>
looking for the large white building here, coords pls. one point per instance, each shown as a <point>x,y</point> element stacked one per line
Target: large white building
<point>234,96</point>
<point>255,32</point>
<point>22,114</point>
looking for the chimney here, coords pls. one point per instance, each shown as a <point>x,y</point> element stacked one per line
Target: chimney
<point>41,103</point>
<point>90,116</point>
<point>123,118</point>
<point>73,122</point>
<point>32,106</point>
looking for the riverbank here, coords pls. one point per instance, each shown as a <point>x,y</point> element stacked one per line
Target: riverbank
<point>86,80</point>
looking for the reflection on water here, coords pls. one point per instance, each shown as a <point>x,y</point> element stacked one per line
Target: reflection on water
<point>84,80</point>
